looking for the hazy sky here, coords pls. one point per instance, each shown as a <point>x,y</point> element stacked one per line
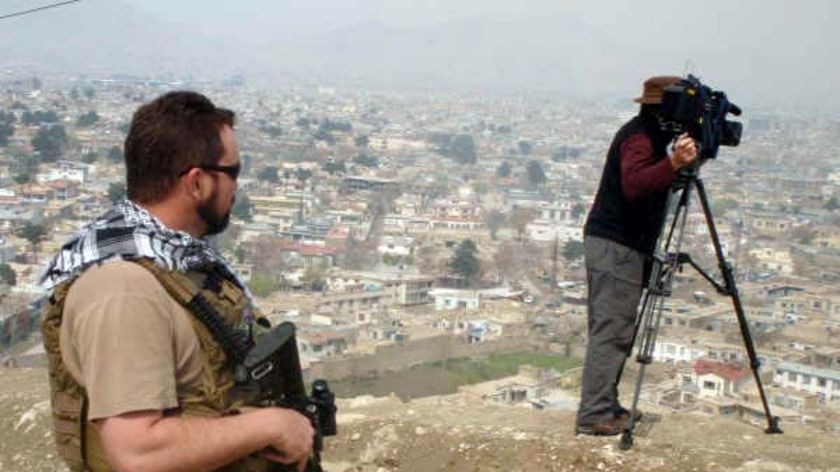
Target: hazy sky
<point>694,22</point>
<point>762,50</point>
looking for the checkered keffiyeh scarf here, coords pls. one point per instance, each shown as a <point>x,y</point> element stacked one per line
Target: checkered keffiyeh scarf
<point>127,232</point>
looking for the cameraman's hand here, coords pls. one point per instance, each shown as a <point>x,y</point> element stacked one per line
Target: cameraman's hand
<point>684,152</point>
<point>294,438</point>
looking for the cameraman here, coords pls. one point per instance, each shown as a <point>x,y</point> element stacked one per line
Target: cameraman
<point>619,238</point>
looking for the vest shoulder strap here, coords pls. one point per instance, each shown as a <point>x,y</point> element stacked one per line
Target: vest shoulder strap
<point>190,295</point>
<point>177,284</point>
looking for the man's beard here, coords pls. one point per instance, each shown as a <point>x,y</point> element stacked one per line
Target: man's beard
<point>215,223</point>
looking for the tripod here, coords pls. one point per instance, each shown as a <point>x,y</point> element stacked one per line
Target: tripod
<point>667,260</point>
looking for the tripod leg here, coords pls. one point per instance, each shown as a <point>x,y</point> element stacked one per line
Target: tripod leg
<point>732,291</point>
<point>655,285</point>
<point>659,287</point>
<point>650,316</point>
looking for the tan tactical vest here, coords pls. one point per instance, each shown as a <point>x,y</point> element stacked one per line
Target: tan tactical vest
<point>78,441</point>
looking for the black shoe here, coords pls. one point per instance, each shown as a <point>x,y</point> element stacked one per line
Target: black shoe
<point>623,414</point>
<point>611,427</point>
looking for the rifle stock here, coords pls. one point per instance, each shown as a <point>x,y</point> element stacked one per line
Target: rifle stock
<point>273,366</point>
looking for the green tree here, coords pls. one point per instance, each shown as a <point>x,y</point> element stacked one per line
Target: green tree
<point>495,219</point>
<point>89,157</point>
<point>573,250</point>
<point>268,174</point>
<point>366,160</point>
<point>38,117</point>
<point>116,191</point>
<point>832,204</point>
<point>115,154</point>
<point>325,136</point>
<point>441,140</point>
<point>391,259</point>
<point>335,167</point>
<point>525,147</point>
<point>8,275</point>
<point>303,174</point>
<point>362,141</point>
<point>87,119</point>
<point>381,202</point>
<point>536,175</point>
<point>34,233</point>
<point>23,168</point>
<point>578,209</point>
<point>272,131</point>
<point>314,278</point>
<point>464,261</point>
<point>242,207</point>
<point>6,132</point>
<point>262,285</point>
<point>50,142</point>
<point>245,161</point>
<point>342,126</point>
<point>7,127</point>
<point>503,171</point>
<point>462,149</point>
<point>359,254</point>
<point>520,218</point>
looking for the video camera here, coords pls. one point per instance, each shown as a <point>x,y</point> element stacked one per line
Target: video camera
<point>701,112</point>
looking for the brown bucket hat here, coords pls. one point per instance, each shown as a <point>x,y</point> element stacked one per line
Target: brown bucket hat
<point>654,87</point>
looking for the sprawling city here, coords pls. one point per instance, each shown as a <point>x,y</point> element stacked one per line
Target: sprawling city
<point>428,246</point>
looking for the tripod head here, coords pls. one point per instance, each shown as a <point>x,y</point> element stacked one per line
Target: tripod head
<point>686,175</point>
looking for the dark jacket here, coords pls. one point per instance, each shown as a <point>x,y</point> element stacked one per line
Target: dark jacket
<point>635,224</point>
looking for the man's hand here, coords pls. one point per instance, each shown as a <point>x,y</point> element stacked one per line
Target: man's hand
<point>294,445</point>
<point>684,152</point>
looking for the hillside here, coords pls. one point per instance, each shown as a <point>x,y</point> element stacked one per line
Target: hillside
<point>456,433</point>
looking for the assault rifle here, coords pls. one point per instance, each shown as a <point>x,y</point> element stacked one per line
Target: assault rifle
<point>273,367</point>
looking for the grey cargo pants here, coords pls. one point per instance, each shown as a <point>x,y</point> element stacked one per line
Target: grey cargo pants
<point>614,278</point>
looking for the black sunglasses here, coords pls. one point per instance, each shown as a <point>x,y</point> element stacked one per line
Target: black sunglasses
<point>232,171</point>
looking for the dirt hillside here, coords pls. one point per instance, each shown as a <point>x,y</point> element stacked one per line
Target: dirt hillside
<point>457,433</point>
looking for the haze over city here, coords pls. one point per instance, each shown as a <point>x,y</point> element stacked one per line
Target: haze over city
<point>763,53</point>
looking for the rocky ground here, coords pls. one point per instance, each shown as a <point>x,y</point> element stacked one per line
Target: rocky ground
<point>456,433</point>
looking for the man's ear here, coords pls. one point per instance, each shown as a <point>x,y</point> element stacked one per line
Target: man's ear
<point>197,185</point>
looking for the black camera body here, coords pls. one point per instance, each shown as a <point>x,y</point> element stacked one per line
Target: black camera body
<point>701,112</point>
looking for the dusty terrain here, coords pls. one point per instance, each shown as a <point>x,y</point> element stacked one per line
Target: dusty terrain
<point>455,433</point>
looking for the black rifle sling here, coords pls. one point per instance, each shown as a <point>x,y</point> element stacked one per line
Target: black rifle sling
<point>188,294</point>
<point>233,343</point>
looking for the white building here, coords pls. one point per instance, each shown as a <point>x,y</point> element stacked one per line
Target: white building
<point>454,299</point>
<point>544,231</point>
<point>719,379</point>
<point>676,350</point>
<point>396,246</point>
<point>775,260</point>
<point>822,382</point>
<point>64,170</point>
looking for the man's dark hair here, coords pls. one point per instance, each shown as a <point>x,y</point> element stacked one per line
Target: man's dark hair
<point>168,136</point>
